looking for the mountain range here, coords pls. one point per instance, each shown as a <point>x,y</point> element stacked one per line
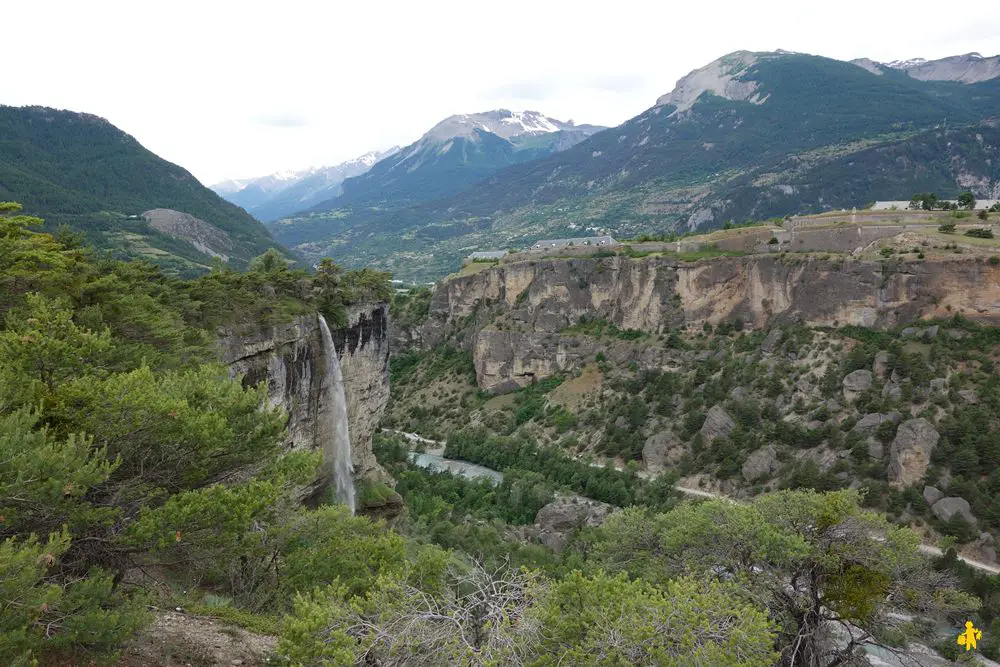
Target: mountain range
<point>79,170</point>
<point>749,136</point>
<point>279,194</point>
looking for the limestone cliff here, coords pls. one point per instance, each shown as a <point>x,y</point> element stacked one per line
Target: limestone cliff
<point>517,314</point>
<point>290,358</point>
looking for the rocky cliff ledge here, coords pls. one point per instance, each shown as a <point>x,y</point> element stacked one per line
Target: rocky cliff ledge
<point>519,313</point>
<point>290,358</point>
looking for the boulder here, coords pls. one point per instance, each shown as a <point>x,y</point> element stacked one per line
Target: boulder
<point>938,386</point>
<point>932,494</point>
<point>881,365</point>
<point>969,396</point>
<point>557,521</point>
<point>856,383</point>
<point>956,334</point>
<point>772,340</point>
<point>660,451</point>
<point>868,425</point>
<point>946,508</point>
<point>911,332</point>
<point>910,452</point>
<point>761,464</point>
<point>931,332</point>
<point>718,424</point>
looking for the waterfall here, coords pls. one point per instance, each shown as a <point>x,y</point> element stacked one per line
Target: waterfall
<point>337,441</point>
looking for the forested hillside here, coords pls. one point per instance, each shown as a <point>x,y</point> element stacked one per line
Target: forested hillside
<point>80,171</point>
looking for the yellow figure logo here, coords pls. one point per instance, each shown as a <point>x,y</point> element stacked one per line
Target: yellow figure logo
<point>969,636</point>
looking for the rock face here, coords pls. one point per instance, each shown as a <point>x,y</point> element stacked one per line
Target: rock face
<point>363,347</point>
<point>207,238</point>
<point>718,424</point>
<point>881,364</point>
<point>516,313</point>
<point>910,453</point>
<point>557,521</point>
<point>761,464</point>
<point>660,451</point>
<point>290,358</point>
<point>856,383</point>
<point>868,425</point>
<point>969,396</point>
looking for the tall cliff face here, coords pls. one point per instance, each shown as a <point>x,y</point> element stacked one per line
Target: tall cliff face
<point>290,358</point>
<point>520,312</point>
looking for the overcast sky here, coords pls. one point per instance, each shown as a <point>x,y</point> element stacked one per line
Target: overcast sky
<point>236,89</point>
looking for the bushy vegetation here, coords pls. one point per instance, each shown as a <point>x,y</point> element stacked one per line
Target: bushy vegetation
<point>117,429</point>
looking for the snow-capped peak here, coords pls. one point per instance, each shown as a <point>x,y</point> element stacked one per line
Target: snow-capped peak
<point>501,122</point>
<point>907,64</point>
<point>531,122</point>
<point>284,179</point>
<point>965,68</point>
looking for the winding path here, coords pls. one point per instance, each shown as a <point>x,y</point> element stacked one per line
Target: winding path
<point>926,549</point>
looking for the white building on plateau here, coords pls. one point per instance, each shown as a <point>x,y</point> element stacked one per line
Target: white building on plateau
<point>548,244</point>
<point>904,205</point>
<point>488,254</point>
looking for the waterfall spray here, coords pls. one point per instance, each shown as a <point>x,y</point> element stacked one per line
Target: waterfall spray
<point>337,441</point>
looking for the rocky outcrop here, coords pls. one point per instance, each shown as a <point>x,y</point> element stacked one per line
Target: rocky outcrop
<point>661,450</point>
<point>289,357</point>
<point>516,314</point>
<point>205,237</point>
<point>718,424</point>
<point>910,452</point>
<point>969,396</point>
<point>881,364</point>
<point>857,383</point>
<point>761,464</point>
<point>869,424</point>
<point>363,347</point>
<point>556,522</point>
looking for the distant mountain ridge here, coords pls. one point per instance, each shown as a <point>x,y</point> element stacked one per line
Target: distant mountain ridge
<point>282,193</point>
<point>80,170</point>
<point>748,136</point>
<point>457,152</point>
<point>967,68</point>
